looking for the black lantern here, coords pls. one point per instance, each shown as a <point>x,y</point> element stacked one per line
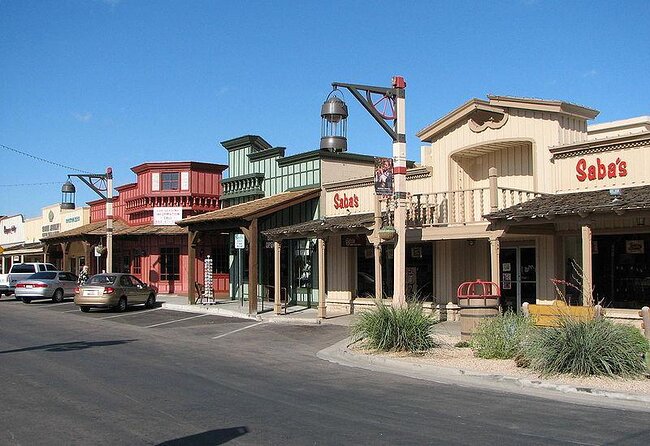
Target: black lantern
<point>67,195</point>
<point>334,124</point>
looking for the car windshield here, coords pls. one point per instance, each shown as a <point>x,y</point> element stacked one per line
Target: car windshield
<point>43,275</point>
<point>102,279</point>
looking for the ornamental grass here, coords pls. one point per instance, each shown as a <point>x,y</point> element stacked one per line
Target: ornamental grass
<point>385,328</point>
<point>500,337</point>
<point>595,347</point>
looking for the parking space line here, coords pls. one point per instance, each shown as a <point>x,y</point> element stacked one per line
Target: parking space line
<point>56,305</point>
<point>239,329</point>
<point>72,311</point>
<point>130,313</point>
<point>177,320</point>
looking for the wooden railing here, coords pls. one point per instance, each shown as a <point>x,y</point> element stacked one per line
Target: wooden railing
<point>456,207</point>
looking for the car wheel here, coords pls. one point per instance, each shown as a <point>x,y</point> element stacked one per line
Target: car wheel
<point>121,305</point>
<point>84,309</point>
<point>151,301</point>
<point>58,296</point>
<point>17,298</point>
<point>26,300</point>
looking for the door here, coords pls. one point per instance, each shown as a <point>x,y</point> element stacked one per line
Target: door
<point>518,277</point>
<point>68,282</point>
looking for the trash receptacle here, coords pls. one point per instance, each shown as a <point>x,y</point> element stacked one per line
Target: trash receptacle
<point>477,300</point>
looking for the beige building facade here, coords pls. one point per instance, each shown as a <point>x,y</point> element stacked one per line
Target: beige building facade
<point>485,169</point>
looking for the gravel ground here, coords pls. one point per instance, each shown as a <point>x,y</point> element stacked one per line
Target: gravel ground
<point>462,358</point>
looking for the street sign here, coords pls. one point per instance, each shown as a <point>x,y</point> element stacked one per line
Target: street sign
<point>240,241</point>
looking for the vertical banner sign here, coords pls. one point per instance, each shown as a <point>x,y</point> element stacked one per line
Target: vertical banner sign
<point>384,176</point>
<point>207,279</point>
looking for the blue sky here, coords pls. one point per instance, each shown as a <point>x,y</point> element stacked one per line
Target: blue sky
<point>93,83</point>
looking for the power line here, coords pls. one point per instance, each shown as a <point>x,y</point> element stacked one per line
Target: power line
<point>42,159</point>
<point>30,184</point>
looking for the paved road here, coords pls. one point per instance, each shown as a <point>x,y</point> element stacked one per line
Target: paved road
<point>164,377</point>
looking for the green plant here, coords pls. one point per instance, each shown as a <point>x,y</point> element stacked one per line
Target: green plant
<point>596,347</point>
<point>387,328</point>
<point>500,337</point>
<point>462,344</point>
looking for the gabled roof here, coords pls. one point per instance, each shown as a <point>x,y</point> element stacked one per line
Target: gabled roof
<point>254,208</point>
<point>499,105</point>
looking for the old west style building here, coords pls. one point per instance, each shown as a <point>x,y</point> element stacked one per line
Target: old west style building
<point>518,190</point>
<point>267,190</point>
<point>20,237</point>
<point>146,241</point>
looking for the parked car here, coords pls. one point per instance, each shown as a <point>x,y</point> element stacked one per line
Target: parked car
<point>21,271</point>
<point>55,285</point>
<point>114,290</point>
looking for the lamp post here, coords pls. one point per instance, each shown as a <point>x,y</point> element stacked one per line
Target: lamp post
<point>102,184</point>
<point>388,104</point>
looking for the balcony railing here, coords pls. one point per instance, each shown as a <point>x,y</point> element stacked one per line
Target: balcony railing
<point>243,185</point>
<point>457,207</point>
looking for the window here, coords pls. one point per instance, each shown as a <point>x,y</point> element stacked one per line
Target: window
<point>126,281</point>
<point>169,263</point>
<point>23,268</point>
<point>136,267</point>
<point>43,275</point>
<point>169,180</point>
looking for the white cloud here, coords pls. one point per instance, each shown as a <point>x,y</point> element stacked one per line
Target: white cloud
<point>590,73</point>
<point>83,117</point>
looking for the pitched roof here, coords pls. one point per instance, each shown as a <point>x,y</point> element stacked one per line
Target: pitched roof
<point>120,229</point>
<point>254,208</point>
<point>577,203</point>
<point>329,224</point>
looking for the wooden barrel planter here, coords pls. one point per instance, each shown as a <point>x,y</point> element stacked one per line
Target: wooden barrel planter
<point>477,300</point>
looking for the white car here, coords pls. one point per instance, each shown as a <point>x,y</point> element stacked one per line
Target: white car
<point>55,285</point>
<point>21,271</point>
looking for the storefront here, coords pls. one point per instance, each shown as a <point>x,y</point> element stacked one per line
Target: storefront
<point>146,241</point>
<point>267,190</point>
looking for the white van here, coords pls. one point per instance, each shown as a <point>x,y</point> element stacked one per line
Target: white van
<point>21,271</point>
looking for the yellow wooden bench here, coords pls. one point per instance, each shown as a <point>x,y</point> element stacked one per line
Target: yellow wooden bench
<point>549,315</point>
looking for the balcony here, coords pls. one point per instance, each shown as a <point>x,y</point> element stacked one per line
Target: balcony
<point>243,186</point>
<point>457,207</point>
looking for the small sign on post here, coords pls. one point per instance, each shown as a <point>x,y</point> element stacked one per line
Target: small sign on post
<point>240,241</point>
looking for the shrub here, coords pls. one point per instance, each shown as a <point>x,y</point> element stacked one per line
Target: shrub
<point>500,337</point>
<point>596,347</point>
<point>395,329</point>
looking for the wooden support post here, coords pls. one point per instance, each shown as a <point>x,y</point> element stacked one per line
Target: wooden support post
<point>64,260</point>
<point>252,268</point>
<point>379,291</point>
<point>277,303</point>
<point>495,253</point>
<point>587,297</point>
<point>191,273</point>
<point>645,324</point>
<point>322,306</point>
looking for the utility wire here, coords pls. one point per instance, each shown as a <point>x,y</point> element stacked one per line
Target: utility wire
<point>42,159</point>
<point>30,184</point>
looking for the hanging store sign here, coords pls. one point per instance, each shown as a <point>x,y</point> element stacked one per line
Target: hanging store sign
<point>353,241</point>
<point>167,216</point>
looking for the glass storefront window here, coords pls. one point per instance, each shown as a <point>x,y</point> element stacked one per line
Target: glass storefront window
<point>303,263</point>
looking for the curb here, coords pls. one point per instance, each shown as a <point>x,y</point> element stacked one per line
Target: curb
<point>209,310</point>
<point>339,353</point>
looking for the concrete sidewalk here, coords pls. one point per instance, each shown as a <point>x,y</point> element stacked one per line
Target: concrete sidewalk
<point>296,315</point>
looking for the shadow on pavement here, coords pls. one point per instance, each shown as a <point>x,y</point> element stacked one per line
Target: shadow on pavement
<point>213,437</point>
<point>69,346</point>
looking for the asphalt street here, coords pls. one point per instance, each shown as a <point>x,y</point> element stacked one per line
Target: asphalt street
<point>165,377</point>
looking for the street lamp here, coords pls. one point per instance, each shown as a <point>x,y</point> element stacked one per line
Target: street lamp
<point>388,104</point>
<point>102,184</point>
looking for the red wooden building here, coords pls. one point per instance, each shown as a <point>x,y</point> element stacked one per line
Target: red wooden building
<point>146,240</point>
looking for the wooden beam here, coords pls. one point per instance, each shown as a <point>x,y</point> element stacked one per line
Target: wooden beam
<point>277,304</point>
<point>191,274</point>
<point>252,267</point>
<point>587,297</point>
<point>322,307</point>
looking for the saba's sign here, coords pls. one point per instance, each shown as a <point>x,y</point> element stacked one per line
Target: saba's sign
<point>600,170</point>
